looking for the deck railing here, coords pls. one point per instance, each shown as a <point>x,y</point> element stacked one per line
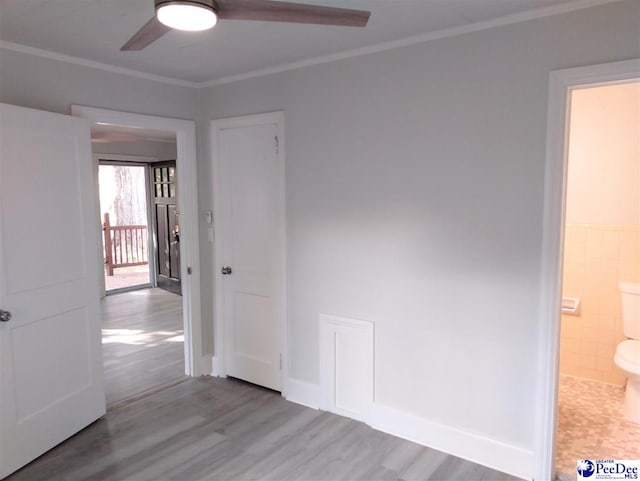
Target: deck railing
<point>124,245</point>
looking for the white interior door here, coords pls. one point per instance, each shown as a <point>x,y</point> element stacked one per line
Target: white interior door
<point>250,231</point>
<point>50,351</point>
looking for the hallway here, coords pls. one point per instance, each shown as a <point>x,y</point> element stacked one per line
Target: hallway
<point>142,342</point>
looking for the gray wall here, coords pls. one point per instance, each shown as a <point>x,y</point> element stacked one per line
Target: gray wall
<point>40,83</point>
<point>414,200</point>
<point>414,192</point>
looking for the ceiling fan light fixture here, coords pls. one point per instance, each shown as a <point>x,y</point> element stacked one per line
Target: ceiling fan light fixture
<point>189,15</point>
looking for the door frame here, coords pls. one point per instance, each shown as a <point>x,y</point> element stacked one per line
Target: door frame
<point>561,83</point>
<point>138,161</point>
<point>277,118</point>
<point>195,361</point>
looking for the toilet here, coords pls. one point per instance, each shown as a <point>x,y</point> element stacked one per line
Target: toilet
<point>627,356</point>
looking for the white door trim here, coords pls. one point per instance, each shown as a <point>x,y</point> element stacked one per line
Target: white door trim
<point>235,122</point>
<point>188,199</point>
<point>561,83</point>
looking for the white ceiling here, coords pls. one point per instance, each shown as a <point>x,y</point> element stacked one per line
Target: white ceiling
<point>94,30</point>
<point>103,133</point>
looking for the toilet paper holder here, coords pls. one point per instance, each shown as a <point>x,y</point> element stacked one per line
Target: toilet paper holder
<point>571,306</point>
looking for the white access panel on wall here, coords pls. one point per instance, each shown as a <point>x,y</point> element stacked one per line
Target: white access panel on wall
<point>346,366</point>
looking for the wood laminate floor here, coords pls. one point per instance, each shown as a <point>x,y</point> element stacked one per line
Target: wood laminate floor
<point>142,342</point>
<point>223,429</point>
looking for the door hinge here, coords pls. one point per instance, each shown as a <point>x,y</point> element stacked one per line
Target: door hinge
<point>277,145</point>
<point>189,270</point>
<point>281,361</point>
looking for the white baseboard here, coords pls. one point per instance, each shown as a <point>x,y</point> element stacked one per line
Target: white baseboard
<point>209,366</point>
<point>474,447</point>
<point>304,393</point>
<point>204,367</point>
<point>215,367</point>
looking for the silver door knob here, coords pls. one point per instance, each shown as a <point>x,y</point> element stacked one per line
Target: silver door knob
<point>5,316</point>
<point>226,270</point>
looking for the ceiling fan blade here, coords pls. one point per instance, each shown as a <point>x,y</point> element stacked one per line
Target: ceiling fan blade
<point>274,11</point>
<point>149,33</point>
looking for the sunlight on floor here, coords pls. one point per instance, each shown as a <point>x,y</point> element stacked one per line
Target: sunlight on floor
<point>137,337</point>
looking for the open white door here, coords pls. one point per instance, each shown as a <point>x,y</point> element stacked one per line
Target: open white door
<point>50,350</point>
<point>249,184</point>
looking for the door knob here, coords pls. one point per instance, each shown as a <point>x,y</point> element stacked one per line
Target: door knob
<point>226,270</point>
<point>5,316</point>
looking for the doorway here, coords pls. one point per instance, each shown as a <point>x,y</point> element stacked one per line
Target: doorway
<point>196,363</point>
<point>601,254</point>
<point>562,84</point>
<point>142,325</point>
<point>127,242</point>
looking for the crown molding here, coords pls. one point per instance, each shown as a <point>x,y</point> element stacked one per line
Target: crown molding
<point>417,39</point>
<point>16,47</point>
<point>380,47</point>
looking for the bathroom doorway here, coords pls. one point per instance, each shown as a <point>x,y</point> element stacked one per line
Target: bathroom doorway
<point>601,254</point>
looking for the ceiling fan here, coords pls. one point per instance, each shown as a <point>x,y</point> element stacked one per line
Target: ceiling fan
<point>197,15</point>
